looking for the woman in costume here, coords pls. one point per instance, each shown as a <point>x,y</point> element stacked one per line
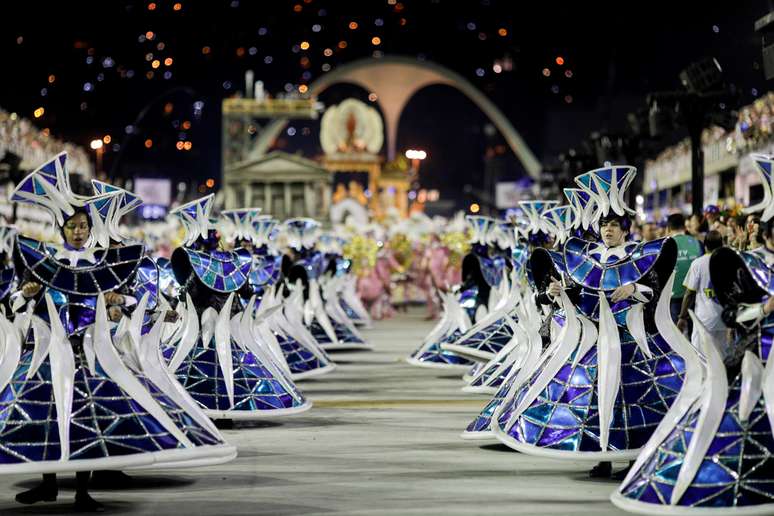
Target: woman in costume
<point>69,403</point>
<point>300,351</point>
<point>611,375</point>
<point>517,360</point>
<point>219,359</point>
<point>714,451</point>
<point>305,267</point>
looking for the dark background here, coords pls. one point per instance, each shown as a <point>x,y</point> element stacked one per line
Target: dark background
<point>617,53</point>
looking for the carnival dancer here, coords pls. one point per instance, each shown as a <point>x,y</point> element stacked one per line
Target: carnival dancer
<point>713,453</point>
<point>519,358</point>
<point>612,375</point>
<point>301,352</point>
<point>218,358</point>
<point>480,273</point>
<point>306,266</point>
<point>69,403</point>
<point>495,331</point>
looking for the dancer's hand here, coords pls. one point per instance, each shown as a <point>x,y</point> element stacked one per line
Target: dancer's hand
<point>113,298</point>
<point>555,289</point>
<point>769,306</point>
<point>30,289</point>
<point>623,292</point>
<point>114,313</point>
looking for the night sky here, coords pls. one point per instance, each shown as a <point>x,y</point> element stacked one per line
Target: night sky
<point>89,66</point>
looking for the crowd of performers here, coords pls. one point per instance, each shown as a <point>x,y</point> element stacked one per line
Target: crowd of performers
<point>570,324</point>
<point>116,359</point>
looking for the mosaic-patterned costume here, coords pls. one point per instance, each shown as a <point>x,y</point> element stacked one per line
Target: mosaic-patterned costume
<point>219,360</point>
<point>612,376</point>
<point>482,273</point>
<point>306,270</point>
<point>303,355</point>
<point>68,401</point>
<point>714,451</point>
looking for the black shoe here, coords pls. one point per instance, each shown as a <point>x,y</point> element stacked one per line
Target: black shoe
<point>110,479</point>
<point>224,424</point>
<point>40,493</point>
<point>601,470</point>
<point>85,503</point>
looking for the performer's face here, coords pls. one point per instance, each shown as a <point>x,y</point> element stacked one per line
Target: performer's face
<point>76,230</point>
<point>612,233</point>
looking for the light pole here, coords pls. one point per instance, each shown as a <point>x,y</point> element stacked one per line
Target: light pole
<point>416,156</point>
<point>98,148</point>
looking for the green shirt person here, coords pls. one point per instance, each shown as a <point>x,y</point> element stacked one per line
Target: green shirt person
<point>688,249</point>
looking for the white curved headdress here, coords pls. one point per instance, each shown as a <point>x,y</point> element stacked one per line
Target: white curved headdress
<point>48,186</point>
<point>508,233</point>
<point>301,232</point>
<point>482,229</point>
<point>241,221</point>
<point>195,216</point>
<point>534,211</point>
<point>559,220</point>
<point>122,203</point>
<point>607,187</point>
<point>331,243</point>
<point>582,206</point>
<point>263,230</point>
<point>764,166</point>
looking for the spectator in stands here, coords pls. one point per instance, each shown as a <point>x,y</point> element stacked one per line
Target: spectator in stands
<point>700,296</point>
<point>693,227</point>
<point>766,251</point>
<point>688,249</point>
<point>650,230</point>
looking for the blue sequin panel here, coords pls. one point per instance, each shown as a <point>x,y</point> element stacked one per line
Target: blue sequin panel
<point>112,268</point>
<point>222,271</point>
<point>585,268</point>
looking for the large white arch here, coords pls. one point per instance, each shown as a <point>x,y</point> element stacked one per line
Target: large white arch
<point>395,80</point>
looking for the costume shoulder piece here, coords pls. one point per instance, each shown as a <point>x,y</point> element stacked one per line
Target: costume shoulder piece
<point>266,269</point>
<point>99,270</point>
<point>740,277</point>
<point>147,280</point>
<point>222,271</point>
<point>586,266</point>
<point>313,264</point>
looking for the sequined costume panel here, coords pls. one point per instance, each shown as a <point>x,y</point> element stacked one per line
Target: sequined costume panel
<point>255,387</point>
<point>298,357</point>
<point>737,470</point>
<point>106,421</point>
<point>564,415</point>
<point>221,271</point>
